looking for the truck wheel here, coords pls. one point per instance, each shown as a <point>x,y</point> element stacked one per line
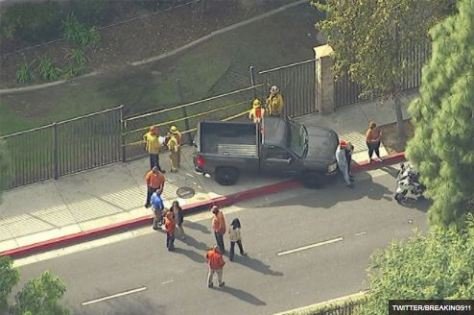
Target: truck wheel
<point>227,176</point>
<point>313,180</point>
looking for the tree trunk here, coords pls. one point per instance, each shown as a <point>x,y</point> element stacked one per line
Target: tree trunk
<point>397,106</point>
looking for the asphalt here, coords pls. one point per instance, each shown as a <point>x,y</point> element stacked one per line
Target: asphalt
<point>362,219</point>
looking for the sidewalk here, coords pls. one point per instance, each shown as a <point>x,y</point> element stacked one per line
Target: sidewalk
<point>102,197</point>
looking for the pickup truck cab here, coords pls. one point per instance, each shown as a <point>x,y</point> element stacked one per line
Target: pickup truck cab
<point>276,146</point>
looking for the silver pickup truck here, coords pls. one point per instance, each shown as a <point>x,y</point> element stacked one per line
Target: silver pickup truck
<point>277,146</point>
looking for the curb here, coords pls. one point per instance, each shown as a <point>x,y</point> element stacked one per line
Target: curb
<point>146,220</point>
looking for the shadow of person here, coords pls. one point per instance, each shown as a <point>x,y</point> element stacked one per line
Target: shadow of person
<point>256,265</point>
<point>391,170</point>
<point>191,241</point>
<point>242,295</point>
<point>421,204</point>
<point>196,226</point>
<point>190,254</point>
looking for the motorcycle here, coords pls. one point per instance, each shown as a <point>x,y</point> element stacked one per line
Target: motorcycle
<point>408,184</point>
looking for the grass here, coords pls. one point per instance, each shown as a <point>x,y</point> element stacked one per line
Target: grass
<point>264,44</point>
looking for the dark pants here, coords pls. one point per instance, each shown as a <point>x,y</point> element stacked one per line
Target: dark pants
<point>220,241</point>
<point>232,245</point>
<point>169,241</point>
<point>373,147</point>
<point>349,161</point>
<point>155,161</point>
<point>149,192</point>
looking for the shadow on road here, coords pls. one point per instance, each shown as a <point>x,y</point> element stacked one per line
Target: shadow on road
<point>196,226</point>
<point>191,241</point>
<point>190,254</point>
<point>242,295</point>
<point>256,265</point>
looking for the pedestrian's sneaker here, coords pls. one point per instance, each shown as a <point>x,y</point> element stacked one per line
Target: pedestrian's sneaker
<point>156,228</point>
<point>244,254</point>
<point>210,285</point>
<point>221,284</point>
<point>147,205</point>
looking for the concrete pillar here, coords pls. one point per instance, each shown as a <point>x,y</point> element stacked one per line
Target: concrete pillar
<point>324,79</point>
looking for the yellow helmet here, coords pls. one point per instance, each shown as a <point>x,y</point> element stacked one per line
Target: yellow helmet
<point>256,103</point>
<point>173,129</point>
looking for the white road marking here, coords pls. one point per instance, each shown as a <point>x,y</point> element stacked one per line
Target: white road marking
<point>360,233</point>
<point>106,298</point>
<point>166,282</point>
<point>335,240</point>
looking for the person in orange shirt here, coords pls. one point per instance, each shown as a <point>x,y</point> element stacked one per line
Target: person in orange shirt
<point>155,181</point>
<point>373,136</point>
<point>216,263</point>
<point>219,227</point>
<point>170,226</point>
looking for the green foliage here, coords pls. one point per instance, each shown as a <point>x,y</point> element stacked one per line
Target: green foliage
<point>439,265</point>
<point>40,296</point>
<point>76,63</point>
<point>443,146</point>
<point>8,279</point>
<point>47,70</point>
<point>78,33</point>
<point>24,73</point>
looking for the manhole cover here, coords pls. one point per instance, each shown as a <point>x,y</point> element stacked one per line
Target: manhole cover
<point>185,192</point>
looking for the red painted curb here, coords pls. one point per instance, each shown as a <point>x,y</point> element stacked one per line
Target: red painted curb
<point>146,220</point>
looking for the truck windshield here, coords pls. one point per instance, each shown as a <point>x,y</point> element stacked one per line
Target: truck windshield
<point>297,138</point>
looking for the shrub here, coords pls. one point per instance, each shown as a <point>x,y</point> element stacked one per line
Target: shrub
<point>76,63</point>
<point>24,73</point>
<point>47,70</point>
<point>78,33</point>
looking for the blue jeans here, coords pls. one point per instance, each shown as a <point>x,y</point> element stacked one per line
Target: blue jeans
<point>169,241</point>
<point>220,241</point>
<point>155,161</point>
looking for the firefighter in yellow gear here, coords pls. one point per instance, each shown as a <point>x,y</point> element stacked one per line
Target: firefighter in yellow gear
<point>256,112</point>
<point>275,102</point>
<point>174,132</point>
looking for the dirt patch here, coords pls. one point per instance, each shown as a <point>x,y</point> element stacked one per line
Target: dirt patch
<point>390,136</point>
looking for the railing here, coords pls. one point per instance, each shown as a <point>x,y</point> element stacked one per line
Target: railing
<point>63,148</point>
<point>227,106</point>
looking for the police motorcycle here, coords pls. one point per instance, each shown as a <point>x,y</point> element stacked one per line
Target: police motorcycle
<point>408,184</point>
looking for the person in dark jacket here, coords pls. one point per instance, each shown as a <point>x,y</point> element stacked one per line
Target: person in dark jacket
<point>179,217</point>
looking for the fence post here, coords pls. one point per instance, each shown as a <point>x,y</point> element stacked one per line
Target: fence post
<point>188,138</point>
<point>55,152</point>
<point>122,135</point>
<point>252,80</point>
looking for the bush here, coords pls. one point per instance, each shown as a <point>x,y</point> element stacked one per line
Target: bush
<point>24,73</point>
<point>78,33</point>
<point>76,63</point>
<point>47,70</point>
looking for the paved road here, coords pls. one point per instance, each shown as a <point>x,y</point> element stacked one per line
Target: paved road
<point>290,264</point>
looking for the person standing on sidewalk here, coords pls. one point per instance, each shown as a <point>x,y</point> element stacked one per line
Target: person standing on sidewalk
<point>349,150</point>
<point>153,147</point>
<point>158,207</point>
<point>342,163</point>
<point>256,112</point>
<point>173,147</point>
<point>373,137</point>
<point>179,216</point>
<point>235,237</point>
<point>216,263</point>
<point>155,181</point>
<point>170,226</point>
<point>175,132</point>
<point>219,227</point>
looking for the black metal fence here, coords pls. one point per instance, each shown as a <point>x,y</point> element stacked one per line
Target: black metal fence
<point>297,85</point>
<point>63,148</point>
<point>227,106</point>
<point>346,92</point>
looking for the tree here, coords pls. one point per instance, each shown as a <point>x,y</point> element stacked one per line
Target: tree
<point>40,297</point>
<point>371,38</point>
<point>439,265</point>
<point>8,279</point>
<point>443,145</point>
